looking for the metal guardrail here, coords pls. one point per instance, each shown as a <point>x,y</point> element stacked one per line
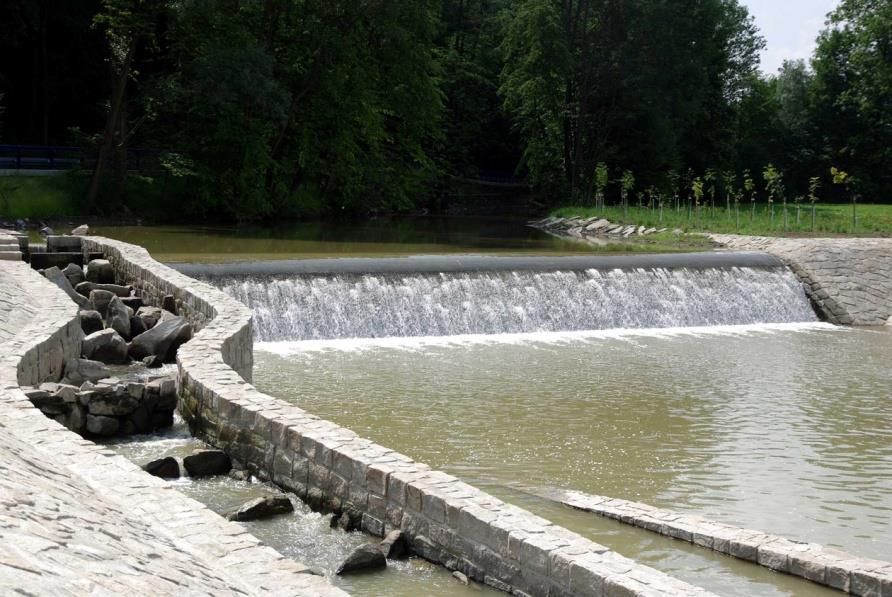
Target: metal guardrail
<point>58,157</point>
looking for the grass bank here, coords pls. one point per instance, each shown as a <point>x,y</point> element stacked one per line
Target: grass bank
<point>830,219</point>
<point>39,197</point>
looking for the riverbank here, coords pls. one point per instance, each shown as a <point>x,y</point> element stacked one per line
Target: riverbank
<point>830,219</point>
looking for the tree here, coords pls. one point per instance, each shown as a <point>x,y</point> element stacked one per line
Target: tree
<point>853,93</point>
<point>774,186</point>
<point>750,187</point>
<point>602,178</point>
<point>626,184</point>
<point>843,178</point>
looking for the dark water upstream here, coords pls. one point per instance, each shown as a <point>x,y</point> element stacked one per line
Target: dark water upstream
<point>370,238</point>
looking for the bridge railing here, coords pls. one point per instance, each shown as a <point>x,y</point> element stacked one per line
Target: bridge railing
<point>59,157</point>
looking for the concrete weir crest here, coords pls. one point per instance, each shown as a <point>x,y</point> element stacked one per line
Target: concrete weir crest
<point>447,521</point>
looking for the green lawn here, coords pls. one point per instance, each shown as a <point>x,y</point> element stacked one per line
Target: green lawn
<point>39,197</point>
<point>836,219</point>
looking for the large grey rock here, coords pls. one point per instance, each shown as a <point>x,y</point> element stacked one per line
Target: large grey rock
<point>166,468</point>
<point>82,230</point>
<point>106,346</point>
<point>164,391</point>
<point>55,275</point>
<point>137,326</point>
<point>85,288</point>
<point>264,507</point>
<point>91,321</point>
<point>115,404</point>
<point>118,317</point>
<point>207,463</point>
<point>162,340</point>
<point>100,299</point>
<point>134,302</point>
<point>100,271</point>
<point>364,557</point>
<point>169,303</point>
<point>394,545</point>
<point>74,273</point>
<point>79,371</point>
<point>149,315</point>
<point>99,425</point>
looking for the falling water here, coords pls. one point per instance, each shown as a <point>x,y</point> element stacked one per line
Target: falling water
<point>320,307</point>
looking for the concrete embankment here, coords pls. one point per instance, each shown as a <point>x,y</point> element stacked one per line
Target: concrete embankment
<point>849,280</point>
<point>446,521</point>
<point>78,520</point>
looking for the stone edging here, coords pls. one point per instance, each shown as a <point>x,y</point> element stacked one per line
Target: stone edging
<point>823,565</point>
<point>77,519</point>
<point>446,521</point>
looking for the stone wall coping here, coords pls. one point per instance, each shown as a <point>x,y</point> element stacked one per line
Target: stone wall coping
<point>76,518</point>
<point>447,521</point>
<point>817,563</point>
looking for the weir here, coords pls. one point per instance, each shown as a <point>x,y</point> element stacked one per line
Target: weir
<point>628,292</point>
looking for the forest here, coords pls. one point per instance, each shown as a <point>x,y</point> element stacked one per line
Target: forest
<point>260,109</point>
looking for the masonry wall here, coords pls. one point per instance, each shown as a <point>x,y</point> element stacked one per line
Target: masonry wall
<point>76,519</point>
<point>446,521</point>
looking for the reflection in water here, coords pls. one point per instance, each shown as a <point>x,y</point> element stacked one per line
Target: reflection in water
<point>304,535</point>
<point>368,238</point>
<point>784,431</point>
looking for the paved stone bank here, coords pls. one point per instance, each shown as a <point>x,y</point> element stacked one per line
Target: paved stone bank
<point>445,520</point>
<point>830,567</point>
<point>75,519</point>
<point>848,279</point>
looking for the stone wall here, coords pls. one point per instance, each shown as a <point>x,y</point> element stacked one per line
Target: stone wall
<point>848,279</point>
<point>76,519</point>
<point>817,563</point>
<point>446,521</point>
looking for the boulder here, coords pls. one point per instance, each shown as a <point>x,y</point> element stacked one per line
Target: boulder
<point>100,300</point>
<point>166,468</point>
<point>118,317</point>
<point>82,230</point>
<point>74,273</point>
<point>460,577</point>
<point>55,275</point>
<point>85,288</point>
<point>152,362</point>
<point>162,340</point>
<point>364,557</point>
<point>100,271</point>
<point>99,425</point>
<point>48,402</point>
<point>116,404</point>
<point>91,321</point>
<point>77,420</point>
<point>264,507</point>
<point>79,371</point>
<point>46,231</point>
<point>207,463</point>
<point>394,545</point>
<point>149,315</point>
<point>105,346</point>
<point>169,303</point>
<point>134,302</point>
<point>137,326</point>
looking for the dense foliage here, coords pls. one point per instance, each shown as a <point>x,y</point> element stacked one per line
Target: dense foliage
<point>277,108</point>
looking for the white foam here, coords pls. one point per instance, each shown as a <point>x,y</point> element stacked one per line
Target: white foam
<point>421,342</point>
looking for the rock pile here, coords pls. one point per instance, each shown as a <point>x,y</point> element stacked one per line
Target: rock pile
<point>89,402</point>
<point>595,226</point>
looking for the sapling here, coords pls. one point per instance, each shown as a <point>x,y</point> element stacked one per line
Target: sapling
<point>749,186</point>
<point>697,188</point>
<point>709,178</point>
<point>601,181</point>
<point>843,178</point>
<point>728,178</point>
<point>814,183</point>
<point>798,201</point>
<point>775,188</point>
<point>626,184</point>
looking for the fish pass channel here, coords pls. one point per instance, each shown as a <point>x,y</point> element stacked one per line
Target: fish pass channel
<point>705,389</point>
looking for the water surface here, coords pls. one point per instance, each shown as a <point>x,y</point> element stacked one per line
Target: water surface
<point>787,430</point>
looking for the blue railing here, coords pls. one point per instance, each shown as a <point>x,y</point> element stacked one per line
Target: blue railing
<point>57,157</point>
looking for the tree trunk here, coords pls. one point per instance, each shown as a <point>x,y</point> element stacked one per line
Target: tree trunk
<point>119,88</point>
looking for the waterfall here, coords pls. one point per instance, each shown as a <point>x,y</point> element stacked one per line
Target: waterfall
<point>319,307</point>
